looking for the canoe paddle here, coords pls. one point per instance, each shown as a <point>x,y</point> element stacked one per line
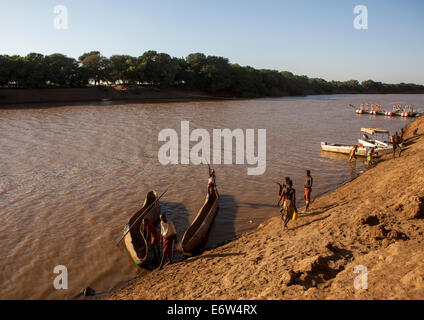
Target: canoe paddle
<point>142,215</point>
<point>207,162</point>
<point>209,168</point>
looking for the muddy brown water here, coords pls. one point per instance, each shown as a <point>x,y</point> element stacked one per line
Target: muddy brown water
<point>71,177</point>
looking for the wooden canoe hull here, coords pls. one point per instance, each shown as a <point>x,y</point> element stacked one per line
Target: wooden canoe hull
<point>344,149</point>
<point>197,233</point>
<point>134,241</point>
<point>361,151</point>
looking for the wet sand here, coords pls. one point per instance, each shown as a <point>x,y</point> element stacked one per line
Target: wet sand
<point>375,221</point>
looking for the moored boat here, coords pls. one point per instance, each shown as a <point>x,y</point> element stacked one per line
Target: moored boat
<point>134,240</point>
<point>196,235</point>
<point>383,112</point>
<point>342,148</point>
<point>379,138</point>
<point>345,149</point>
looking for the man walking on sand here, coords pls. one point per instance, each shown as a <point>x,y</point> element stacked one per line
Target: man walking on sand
<point>169,235</point>
<point>395,141</point>
<point>308,188</point>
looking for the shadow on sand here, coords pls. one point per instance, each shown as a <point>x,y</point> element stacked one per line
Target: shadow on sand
<point>222,229</point>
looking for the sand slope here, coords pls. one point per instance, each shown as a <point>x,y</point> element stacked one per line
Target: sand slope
<point>375,221</point>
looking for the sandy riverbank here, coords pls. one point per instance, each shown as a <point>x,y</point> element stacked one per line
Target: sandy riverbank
<point>17,98</point>
<point>376,221</point>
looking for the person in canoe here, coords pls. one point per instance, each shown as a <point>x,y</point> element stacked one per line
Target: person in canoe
<point>289,205</point>
<point>352,154</point>
<point>169,236</point>
<point>211,181</point>
<point>308,188</point>
<point>149,230</point>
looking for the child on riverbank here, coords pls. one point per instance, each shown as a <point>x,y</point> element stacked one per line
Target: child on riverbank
<point>308,188</point>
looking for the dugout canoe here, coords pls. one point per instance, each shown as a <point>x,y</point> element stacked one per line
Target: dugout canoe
<point>195,236</point>
<point>135,242</point>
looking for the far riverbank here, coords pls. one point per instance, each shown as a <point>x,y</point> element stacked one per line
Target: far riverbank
<point>31,98</point>
<point>35,98</point>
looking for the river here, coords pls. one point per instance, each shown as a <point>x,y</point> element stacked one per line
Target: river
<point>71,177</point>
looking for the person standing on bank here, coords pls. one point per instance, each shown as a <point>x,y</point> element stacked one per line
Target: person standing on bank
<point>352,154</point>
<point>169,235</point>
<point>395,142</point>
<point>370,156</point>
<point>282,187</point>
<point>289,206</point>
<point>308,188</point>
<point>149,231</point>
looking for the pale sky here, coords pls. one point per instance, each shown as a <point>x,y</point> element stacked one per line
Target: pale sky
<point>314,38</point>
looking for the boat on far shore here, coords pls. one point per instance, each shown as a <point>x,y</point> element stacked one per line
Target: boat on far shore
<point>382,112</point>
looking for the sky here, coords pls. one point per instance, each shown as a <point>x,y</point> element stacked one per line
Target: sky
<point>306,37</point>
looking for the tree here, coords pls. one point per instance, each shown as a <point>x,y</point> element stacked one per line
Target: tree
<point>63,71</point>
<point>372,86</point>
<point>6,67</point>
<point>123,68</point>
<point>167,69</point>
<point>159,69</point>
<point>216,74</point>
<point>35,70</point>
<point>195,62</point>
<point>197,71</point>
<point>95,66</point>
<point>181,74</point>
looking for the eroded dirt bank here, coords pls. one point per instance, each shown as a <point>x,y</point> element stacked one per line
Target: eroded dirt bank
<point>30,98</point>
<point>376,221</point>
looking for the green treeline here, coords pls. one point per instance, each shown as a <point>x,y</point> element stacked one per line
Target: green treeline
<point>197,71</point>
